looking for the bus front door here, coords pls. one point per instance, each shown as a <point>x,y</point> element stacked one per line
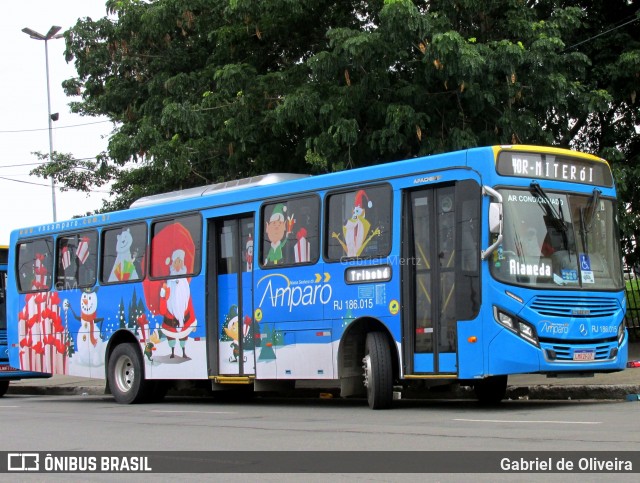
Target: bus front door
<point>229,301</point>
<point>429,281</point>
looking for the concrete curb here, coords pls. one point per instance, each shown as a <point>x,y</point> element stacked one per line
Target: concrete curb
<point>629,392</point>
<point>57,390</point>
<point>550,392</point>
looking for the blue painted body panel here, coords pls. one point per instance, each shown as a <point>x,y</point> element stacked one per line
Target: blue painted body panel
<point>313,304</point>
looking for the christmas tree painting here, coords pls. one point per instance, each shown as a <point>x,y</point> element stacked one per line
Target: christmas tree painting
<point>271,339</point>
<point>121,317</point>
<point>142,321</point>
<point>136,311</point>
<point>131,312</point>
<point>348,318</point>
<point>131,317</point>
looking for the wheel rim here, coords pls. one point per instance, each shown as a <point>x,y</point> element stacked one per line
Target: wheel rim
<point>366,366</point>
<point>124,373</point>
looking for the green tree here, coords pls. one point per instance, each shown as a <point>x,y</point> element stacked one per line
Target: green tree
<point>189,86</point>
<point>203,91</point>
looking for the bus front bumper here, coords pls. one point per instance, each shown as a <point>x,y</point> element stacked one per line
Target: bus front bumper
<point>509,354</point>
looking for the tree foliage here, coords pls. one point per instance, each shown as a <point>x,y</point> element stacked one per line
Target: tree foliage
<point>204,91</point>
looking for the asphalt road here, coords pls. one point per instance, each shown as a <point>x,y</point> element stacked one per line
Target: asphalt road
<point>71,423</point>
<point>45,422</point>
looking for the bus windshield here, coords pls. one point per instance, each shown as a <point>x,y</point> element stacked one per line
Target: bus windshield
<point>558,240</point>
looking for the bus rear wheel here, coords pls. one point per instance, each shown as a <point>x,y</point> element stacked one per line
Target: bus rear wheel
<point>4,386</point>
<point>126,375</point>
<point>378,371</point>
<point>492,390</point>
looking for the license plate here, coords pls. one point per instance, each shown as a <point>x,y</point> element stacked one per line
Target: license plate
<point>584,355</point>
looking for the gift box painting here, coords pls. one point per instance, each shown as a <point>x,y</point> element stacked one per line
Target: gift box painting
<point>83,250</point>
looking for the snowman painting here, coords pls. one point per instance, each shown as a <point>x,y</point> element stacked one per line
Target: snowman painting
<point>90,346</point>
<point>123,269</point>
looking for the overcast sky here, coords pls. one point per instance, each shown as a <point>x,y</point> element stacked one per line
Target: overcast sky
<point>26,200</point>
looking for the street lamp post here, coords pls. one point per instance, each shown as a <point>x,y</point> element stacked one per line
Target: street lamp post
<point>51,34</point>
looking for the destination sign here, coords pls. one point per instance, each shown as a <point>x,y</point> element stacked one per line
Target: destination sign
<point>550,166</point>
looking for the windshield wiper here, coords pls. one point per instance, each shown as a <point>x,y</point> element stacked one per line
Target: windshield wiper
<point>547,206</point>
<point>586,222</point>
<point>557,217</point>
<point>592,207</point>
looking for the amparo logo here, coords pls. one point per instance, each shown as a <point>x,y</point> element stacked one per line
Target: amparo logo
<point>281,292</point>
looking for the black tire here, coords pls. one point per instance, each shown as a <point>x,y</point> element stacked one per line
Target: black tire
<point>4,386</point>
<point>492,390</point>
<point>126,375</point>
<point>378,371</point>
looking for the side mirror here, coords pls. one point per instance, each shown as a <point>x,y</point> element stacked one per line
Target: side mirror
<point>495,218</point>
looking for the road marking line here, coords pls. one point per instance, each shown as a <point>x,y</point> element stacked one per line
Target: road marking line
<point>9,407</point>
<point>525,421</point>
<point>195,412</point>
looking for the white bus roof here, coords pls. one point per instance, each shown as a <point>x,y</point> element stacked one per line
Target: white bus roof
<point>261,180</point>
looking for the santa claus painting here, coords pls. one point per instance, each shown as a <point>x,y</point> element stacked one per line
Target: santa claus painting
<point>173,252</point>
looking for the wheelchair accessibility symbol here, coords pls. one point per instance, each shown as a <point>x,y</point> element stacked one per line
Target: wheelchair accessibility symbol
<point>585,269</point>
<point>585,263</point>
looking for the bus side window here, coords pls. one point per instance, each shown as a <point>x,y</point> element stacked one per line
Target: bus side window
<point>291,232</point>
<point>35,265</point>
<point>176,238</point>
<point>76,260</point>
<point>359,223</point>
<point>87,256</point>
<point>65,274</point>
<point>122,253</point>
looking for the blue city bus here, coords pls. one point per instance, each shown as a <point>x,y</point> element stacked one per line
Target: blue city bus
<point>457,268</point>
<point>7,372</point>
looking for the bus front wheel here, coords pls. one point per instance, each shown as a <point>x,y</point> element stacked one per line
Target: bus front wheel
<point>378,371</point>
<point>4,386</point>
<point>491,390</point>
<point>126,375</point>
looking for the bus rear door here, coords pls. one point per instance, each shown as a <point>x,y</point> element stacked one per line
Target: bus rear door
<point>229,296</point>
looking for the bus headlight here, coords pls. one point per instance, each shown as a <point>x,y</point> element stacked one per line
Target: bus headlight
<point>621,332</point>
<point>516,325</point>
<point>503,319</point>
<point>527,332</point>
